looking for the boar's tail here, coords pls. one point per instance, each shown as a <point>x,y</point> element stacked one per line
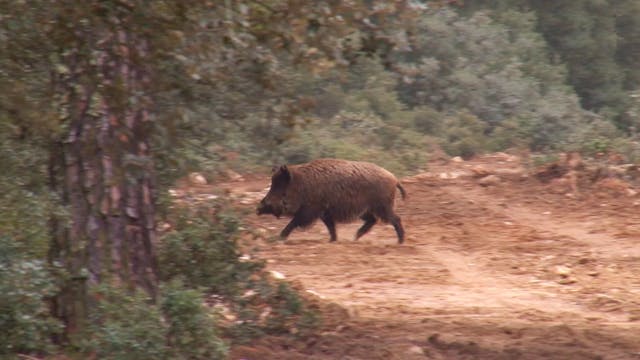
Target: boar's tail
<point>402,192</point>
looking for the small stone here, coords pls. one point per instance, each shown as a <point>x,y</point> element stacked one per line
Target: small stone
<point>489,180</point>
<point>511,172</point>
<point>480,171</point>
<point>197,179</point>
<point>277,275</point>
<point>563,271</point>
<point>265,314</point>
<point>457,159</point>
<point>314,293</point>
<point>249,293</point>
<point>415,350</point>
<point>233,176</point>
<point>567,281</point>
<point>164,226</point>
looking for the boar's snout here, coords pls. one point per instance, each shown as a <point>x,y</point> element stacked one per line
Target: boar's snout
<point>265,208</point>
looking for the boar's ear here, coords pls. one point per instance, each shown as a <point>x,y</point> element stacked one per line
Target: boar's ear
<point>282,173</point>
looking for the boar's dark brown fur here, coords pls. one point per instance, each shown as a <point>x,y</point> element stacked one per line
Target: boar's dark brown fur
<point>335,191</point>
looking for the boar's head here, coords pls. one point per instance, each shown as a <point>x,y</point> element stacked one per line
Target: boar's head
<point>275,201</point>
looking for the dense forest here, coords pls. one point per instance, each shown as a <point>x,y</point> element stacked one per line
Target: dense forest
<point>105,104</point>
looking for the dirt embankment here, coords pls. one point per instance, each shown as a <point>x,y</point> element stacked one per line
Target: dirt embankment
<point>509,268</point>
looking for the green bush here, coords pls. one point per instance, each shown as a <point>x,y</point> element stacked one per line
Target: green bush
<point>125,326</point>
<point>358,136</point>
<point>25,201</point>
<point>598,136</point>
<point>289,312</point>
<point>301,148</point>
<point>192,327</point>
<point>26,326</point>
<point>427,120</point>
<point>628,147</point>
<point>544,159</point>
<point>275,309</point>
<point>464,135</point>
<point>202,251</point>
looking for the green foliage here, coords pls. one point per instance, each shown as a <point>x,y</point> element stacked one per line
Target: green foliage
<point>289,311</point>
<point>26,326</point>
<point>201,252</point>
<point>596,39</point>
<point>275,309</point>
<point>127,325</point>
<point>584,33</point>
<point>25,202</point>
<point>357,136</point>
<point>629,148</point>
<point>124,326</point>
<point>598,137</point>
<point>427,120</point>
<point>464,135</point>
<point>201,249</point>
<point>494,64</point>
<point>359,119</point>
<point>499,71</point>
<point>192,327</point>
<point>543,159</point>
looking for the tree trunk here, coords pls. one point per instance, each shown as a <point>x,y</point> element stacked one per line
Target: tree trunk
<point>102,169</point>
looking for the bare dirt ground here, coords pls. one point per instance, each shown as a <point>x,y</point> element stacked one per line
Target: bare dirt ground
<point>513,270</point>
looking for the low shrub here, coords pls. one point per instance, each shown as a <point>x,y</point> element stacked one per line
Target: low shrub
<point>192,332</point>
<point>124,326</point>
<point>274,308</point>
<point>26,325</point>
<point>201,249</point>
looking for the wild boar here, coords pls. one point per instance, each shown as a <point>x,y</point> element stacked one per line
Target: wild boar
<point>335,191</point>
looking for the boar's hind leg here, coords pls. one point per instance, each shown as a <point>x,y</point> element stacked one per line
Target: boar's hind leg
<point>302,218</point>
<point>386,214</point>
<point>369,221</point>
<point>397,224</point>
<point>331,226</point>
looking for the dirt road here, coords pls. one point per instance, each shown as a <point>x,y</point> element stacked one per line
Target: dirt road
<point>507,271</point>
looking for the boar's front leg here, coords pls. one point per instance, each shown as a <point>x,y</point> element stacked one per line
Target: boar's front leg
<point>331,226</point>
<point>302,218</point>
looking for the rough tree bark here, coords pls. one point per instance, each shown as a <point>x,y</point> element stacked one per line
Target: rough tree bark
<point>102,167</point>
